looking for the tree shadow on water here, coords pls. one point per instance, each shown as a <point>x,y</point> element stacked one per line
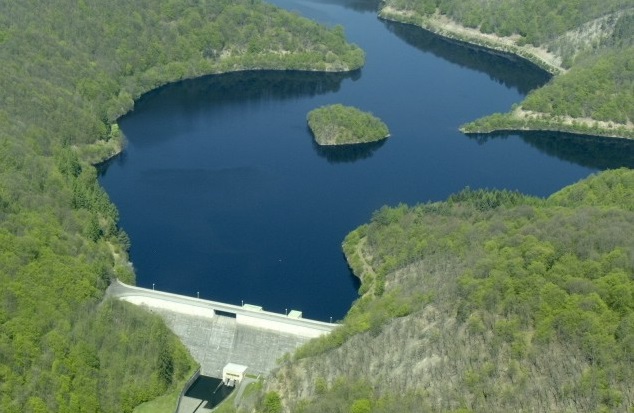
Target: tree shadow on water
<point>347,153</point>
<point>160,114</point>
<point>588,151</point>
<point>506,69</point>
<point>357,5</point>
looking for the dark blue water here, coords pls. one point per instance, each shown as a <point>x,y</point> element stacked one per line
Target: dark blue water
<point>223,191</point>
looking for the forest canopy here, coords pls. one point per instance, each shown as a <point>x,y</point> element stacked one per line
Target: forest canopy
<point>490,301</point>
<point>70,69</point>
<point>594,40</point>
<point>345,125</point>
<point>506,18</point>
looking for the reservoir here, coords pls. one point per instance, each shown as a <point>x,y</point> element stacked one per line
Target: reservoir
<point>224,194</point>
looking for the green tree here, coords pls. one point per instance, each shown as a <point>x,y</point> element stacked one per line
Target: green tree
<point>361,406</point>
<point>272,403</point>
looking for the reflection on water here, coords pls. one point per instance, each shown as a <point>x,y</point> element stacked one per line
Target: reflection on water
<point>357,5</point>
<point>239,86</point>
<point>120,160</point>
<point>510,71</point>
<point>224,194</point>
<point>347,153</point>
<point>218,92</point>
<point>587,151</point>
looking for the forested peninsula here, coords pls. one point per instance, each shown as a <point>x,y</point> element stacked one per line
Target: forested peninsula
<point>494,301</point>
<point>491,301</point>
<point>69,70</point>
<point>588,45</point>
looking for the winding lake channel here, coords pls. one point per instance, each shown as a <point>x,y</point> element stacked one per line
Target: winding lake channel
<point>224,193</point>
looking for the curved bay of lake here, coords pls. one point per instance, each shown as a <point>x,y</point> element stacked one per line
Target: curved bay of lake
<point>224,194</point>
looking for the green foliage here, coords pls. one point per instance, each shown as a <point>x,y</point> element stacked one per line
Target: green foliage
<point>594,39</point>
<point>623,33</point>
<point>367,315</point>
<point>612,189</point>
<point>344,125</point>
<point>601,88</point>
<point>357,396</point>
<point>485,200</point>
<point>361,406</point>
<point>537,21</point>
<point>69,70</point>
<point>522,275</point>
<point>272,403</point>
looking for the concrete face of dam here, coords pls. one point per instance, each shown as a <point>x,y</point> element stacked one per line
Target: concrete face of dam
<point>217,333</point>
<point>215,342</point>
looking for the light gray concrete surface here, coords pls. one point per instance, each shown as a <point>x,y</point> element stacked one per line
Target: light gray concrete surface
<point>254,338</point>
<point>192,405</point>
<point>214,342</point>
<point>246,315</point>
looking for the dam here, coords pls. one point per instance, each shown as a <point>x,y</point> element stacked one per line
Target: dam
<point>217,333</point>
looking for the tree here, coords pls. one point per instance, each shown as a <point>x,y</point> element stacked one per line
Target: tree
<point>272,403</point>
<point>361,406</point>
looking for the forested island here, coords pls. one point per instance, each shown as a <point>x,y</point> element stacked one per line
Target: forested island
<point>345,125</point>
<point>69,71</point>
<point>588,45</point>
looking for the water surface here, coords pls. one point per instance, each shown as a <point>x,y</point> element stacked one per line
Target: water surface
<point>224,193</point>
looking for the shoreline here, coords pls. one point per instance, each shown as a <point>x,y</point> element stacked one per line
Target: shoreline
<point>336,145</point>
<point>512,130</point>
<point>116,145</point>
<point>518,119</point>
<point>451,30</point>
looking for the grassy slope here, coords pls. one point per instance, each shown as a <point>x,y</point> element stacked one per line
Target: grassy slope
<point>69,69</point>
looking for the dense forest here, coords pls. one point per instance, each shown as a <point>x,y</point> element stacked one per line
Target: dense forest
<point>345,125</point>
<point>506,18</point>
<point>494,301</point>
<point>491,301</point>
<point>594,40</point>
<point>69,70</point>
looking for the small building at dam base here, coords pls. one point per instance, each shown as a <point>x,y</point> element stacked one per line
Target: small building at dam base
<point>233,374</point>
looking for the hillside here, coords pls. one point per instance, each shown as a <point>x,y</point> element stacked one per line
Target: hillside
<point>588,45</point>
<point>491,301</point>
<point>69,70</point>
